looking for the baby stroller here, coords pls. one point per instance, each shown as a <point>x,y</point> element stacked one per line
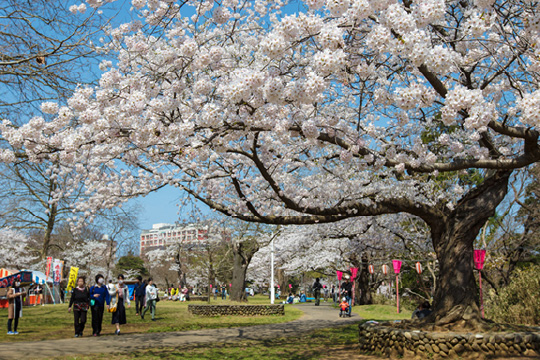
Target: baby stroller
<point>344,308</point>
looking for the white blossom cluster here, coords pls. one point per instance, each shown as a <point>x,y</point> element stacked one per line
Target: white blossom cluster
<point>333,110</point>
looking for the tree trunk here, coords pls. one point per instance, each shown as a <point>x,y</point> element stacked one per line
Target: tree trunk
<point>53,210</point>
<point>363,291</point>
<point>242,254</point>
<point>453,235</point>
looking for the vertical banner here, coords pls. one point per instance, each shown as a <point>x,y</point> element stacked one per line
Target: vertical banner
<point>48,267</point>
<point>354,272</point>
<point>479,258</point>
<point>57,271</point>
<point>397,269</point>
<point>72,282</point>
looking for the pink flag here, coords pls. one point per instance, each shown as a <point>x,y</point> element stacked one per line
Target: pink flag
<point>479,257</point>
<point>397,266</point>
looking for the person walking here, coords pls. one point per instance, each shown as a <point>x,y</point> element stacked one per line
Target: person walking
<point>122,298</point>
<point>140,291</point>
<point>151,299</point>
<point>99,295</point>
<point>223,292</point>
<point>15,300</point>
<point>317,291</point>
<point>80,302</point>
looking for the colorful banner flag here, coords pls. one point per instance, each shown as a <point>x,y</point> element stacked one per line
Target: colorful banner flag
<point>48,267</point>
<point>72,282</point>
<point>57,271</point>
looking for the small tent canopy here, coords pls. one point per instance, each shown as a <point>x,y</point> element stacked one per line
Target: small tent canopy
<point>39,278</point>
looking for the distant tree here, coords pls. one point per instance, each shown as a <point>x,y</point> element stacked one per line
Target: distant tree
<point>131,262</point>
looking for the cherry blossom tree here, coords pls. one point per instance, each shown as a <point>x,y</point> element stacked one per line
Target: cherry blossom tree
<point>16,250</point>
<point>348,108</point>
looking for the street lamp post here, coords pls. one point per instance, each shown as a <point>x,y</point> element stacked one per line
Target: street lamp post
<point>272,291</point>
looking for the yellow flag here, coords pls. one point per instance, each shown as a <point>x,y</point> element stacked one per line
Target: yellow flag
<point>72,278</point>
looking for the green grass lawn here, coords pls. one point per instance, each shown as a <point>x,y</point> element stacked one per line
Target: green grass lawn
<point>340,342</point>
<point>381,312</point>
<point>54,322</point>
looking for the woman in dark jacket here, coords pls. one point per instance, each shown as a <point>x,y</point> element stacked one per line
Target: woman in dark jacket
<point>15,300</point>
<point>80,301</point>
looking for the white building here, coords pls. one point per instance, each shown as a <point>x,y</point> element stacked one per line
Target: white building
<point>163,234</point>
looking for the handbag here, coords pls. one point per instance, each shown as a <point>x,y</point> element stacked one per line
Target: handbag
<point>112,308</point>
<point>157,299</point>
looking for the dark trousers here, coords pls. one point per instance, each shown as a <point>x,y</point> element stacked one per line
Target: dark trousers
<point>80,321</point>
<point>97,318</point>
<point>317,294</point>
<point>139,304</point>
<point>14,321</point>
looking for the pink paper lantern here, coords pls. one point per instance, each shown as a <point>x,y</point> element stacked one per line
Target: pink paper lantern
<point>479,257</point>
<point>230,284</point>
<point>354,272</point>
<point>290,286</point>
<point>397,266</point>
<point>210,286</point>
<point>339,275</point>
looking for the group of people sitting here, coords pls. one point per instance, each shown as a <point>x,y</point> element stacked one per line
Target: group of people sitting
<point>175,294</point>
<point>294,299</point>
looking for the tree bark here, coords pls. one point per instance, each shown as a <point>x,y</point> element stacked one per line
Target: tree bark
<point>453,235</point>
<point>51,221</point>
<point>363,290</point>
<point>242,254</point>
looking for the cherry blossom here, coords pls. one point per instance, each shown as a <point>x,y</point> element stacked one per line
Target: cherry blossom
<point>346,109</point>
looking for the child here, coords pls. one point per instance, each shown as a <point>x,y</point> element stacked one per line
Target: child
<point>343,307</point>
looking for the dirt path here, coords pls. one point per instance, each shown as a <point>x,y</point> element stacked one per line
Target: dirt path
<point>315,317</point>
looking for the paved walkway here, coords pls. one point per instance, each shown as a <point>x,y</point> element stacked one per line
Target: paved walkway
<point>315,317</point>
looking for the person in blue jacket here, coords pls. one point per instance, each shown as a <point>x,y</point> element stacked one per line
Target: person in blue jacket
<point>99,296</point>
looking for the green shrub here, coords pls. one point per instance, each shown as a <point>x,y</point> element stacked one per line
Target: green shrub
<point>519,302</point>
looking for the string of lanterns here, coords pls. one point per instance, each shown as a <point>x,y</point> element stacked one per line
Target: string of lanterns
<point>478,257</point>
